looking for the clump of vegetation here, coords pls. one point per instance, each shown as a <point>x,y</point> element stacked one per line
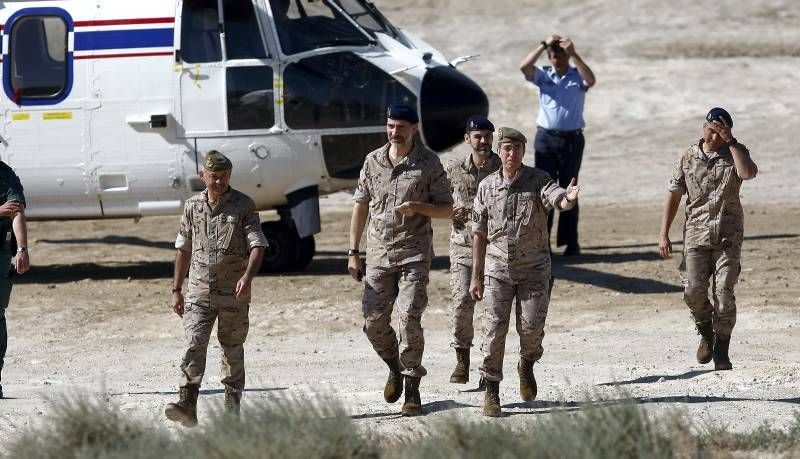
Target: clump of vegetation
<point>82,427</point>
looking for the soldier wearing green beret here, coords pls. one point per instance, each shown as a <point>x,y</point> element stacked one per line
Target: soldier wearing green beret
<point>12,217</point>
<point>221,244</point>
<point>511,261</point>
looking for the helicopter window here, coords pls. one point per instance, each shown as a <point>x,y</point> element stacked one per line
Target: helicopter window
<point>304,25</point>
<point>38,57</point>
<point>250,98</point>
<point>200,40</point>
<point>368,17</point>
<point>344,154</point>
<point>339,90</point>
<point>242,35</point>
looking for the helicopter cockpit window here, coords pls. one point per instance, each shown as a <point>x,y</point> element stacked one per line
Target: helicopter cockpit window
<point>242,35</point>
<point>369,17</point>
<point>304,25</point>
<point>339,90</point>
<point>38,57</point>
<point>250,98</point>
<point>200,39</point>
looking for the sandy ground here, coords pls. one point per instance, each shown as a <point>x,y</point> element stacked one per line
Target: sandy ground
<point>93,314</point>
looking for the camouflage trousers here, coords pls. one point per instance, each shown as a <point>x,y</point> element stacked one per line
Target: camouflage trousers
<point>405,286</point>
<point>532,298</point>
<point>718,266</point>
<point>198,320</point>
<point>463,306</point>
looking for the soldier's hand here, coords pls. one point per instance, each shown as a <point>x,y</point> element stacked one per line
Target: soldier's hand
<point>243,287</point>
<point>22,262</point>
<point>476,289</point>
<point>407,209</point>
<point>177,303</point>
<point>721,129</point>
<point>665,247</point>
<point>10,208</point>
<point>573,189</point>
<point>460,214</point>
<point>552,39</point>
<point>354,267</point>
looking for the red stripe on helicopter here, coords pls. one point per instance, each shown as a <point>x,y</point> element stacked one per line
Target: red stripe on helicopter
<point>111,56</point>
<point>109,22</point>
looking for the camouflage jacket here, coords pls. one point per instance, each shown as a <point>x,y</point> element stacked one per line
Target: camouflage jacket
<point>464,178</point>
<point>393,239</point>
<point>220,239</point>
<point>514,218</point>
<point>713,210</point>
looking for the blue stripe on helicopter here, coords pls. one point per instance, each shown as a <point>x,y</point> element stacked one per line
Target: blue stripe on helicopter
<point>122,39</point>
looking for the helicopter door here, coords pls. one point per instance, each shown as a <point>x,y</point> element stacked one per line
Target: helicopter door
<point>199,59</point>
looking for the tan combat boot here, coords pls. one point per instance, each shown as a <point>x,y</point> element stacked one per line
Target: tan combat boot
<point>527,382</point>
<point>491,400</point>
<point>232,401</point>
<point>394,385</point>
<point>185,410</point>
<point>721,359</point>
<point>704,350</point>
<point>461,373</point>
<point>413,403</point>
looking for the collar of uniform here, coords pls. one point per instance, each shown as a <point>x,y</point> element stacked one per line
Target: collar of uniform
<point>521,173</point>
<point>412,158</point>
<point>223,199</point>
<point>470,166</point>
<point>553,74</point>
<point>707,155</point>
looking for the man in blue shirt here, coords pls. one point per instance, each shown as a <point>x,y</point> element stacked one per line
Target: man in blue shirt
<point>558,148</point>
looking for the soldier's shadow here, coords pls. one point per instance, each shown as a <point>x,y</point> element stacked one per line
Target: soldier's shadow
<point>427,408</point>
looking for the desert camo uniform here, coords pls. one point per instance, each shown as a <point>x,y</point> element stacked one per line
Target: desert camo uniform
<point>513,216</point>
<point>219,238</point>
<point>399,250</point>
<point>464,177</point>
<point>714,230</point>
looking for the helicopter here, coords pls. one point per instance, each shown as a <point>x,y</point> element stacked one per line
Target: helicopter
<point>108,107</point>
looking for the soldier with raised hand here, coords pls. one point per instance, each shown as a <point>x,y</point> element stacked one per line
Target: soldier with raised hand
<point>221,244</point>
<point>465,173</point>
<point>402,185</point>
<point>511,261</point>
<point>12,217</point>
<point>710,173</point>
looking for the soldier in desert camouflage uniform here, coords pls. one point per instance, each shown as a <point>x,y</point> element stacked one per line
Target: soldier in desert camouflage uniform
<point>401,187</point>
<point>510,241</point>
<point>710,174</point>
<point>221,244</point>
<point>465,173</point>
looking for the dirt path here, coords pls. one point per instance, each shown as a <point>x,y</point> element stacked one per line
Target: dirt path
<point>94,316</point>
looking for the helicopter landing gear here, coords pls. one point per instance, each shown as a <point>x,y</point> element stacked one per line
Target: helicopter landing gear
<point>287,252</point>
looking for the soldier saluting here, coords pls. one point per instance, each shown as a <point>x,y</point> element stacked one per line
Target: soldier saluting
<point>511,261</point>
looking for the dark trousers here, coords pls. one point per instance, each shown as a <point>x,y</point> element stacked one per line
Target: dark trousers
<point>559,153</point>
<point>5,294</point>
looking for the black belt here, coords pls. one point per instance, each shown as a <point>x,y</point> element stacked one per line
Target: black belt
<point>561,133</point>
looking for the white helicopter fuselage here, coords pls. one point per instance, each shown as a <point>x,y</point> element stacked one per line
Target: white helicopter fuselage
<point>108,107</point>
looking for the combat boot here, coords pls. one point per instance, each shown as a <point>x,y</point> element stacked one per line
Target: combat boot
<point>705,349</point>
<point>527,382</point>
<point>461,373</point>
<point>491,400</point>
<point>185,411</point>
<point>413,403</point>
<point>721,359</point>
<point>394,385</point>
<point>232,401</point>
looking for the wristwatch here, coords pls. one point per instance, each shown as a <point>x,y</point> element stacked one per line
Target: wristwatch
<point>733,142</point>
<point>177,289</point>
<point>543,43</point>
<point>22,249</point>
<point>353,252</point>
